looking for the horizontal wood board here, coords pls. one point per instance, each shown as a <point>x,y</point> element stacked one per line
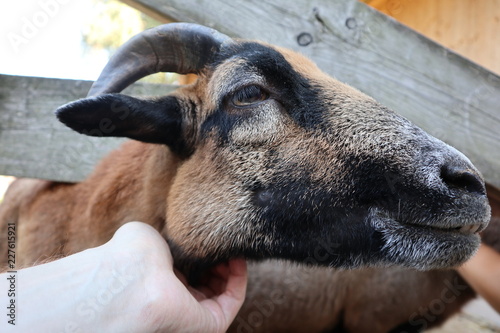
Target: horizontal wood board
<point>34,144</point>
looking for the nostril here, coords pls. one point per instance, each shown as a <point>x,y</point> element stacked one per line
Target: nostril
<point>462,179</point>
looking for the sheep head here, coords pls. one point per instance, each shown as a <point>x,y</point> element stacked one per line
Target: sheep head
<point>279,160</point>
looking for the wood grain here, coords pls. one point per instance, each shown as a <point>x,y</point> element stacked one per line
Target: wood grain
<point>468,27</point>
<point>33,143</point>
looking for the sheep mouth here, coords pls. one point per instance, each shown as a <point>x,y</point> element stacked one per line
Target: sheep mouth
<point>383,221</point>
<point>470,229</point>
<point>466,229</point>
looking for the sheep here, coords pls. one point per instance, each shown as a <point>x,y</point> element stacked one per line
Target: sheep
<point>263,157</point>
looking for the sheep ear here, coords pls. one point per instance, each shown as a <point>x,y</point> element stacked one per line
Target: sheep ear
<point>153,121</point>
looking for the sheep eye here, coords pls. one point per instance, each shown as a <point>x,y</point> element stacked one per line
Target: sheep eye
<point>248,96</point>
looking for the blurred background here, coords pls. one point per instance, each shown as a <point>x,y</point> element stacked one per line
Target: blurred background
<point>67,39</point>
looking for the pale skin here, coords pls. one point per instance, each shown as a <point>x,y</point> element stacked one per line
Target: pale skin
<point>125,285</point>
<point>482,272</point>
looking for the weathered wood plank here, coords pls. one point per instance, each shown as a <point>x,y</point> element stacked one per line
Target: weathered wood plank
<point>34,144</point>
<point>444,93</point>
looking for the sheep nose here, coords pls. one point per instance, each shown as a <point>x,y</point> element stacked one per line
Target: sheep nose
<point>458,177</point>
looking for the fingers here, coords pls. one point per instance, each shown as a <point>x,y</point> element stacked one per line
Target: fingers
<point>213,282</point>
<point>232,298</point>
<point>237,279</point>
<point>231,279</point>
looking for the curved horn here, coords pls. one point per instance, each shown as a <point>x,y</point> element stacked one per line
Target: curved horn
<point>176,47</point>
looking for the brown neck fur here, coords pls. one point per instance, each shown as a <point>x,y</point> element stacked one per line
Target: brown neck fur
<point>130,184</point>
<point>125,187</point>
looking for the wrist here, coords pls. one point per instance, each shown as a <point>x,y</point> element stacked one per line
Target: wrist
<point>93,290</point>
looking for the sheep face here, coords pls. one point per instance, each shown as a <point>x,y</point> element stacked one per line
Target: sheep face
<point>281,161</point>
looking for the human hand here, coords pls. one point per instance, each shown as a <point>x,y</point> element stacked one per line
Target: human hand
<point>125,285</point>
<point>173,305</point>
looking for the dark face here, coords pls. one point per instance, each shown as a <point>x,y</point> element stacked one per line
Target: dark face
<point>282,161</point>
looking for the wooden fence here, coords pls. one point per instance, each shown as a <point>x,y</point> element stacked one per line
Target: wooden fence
<point>33,143</point>
<point>447,95</point>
